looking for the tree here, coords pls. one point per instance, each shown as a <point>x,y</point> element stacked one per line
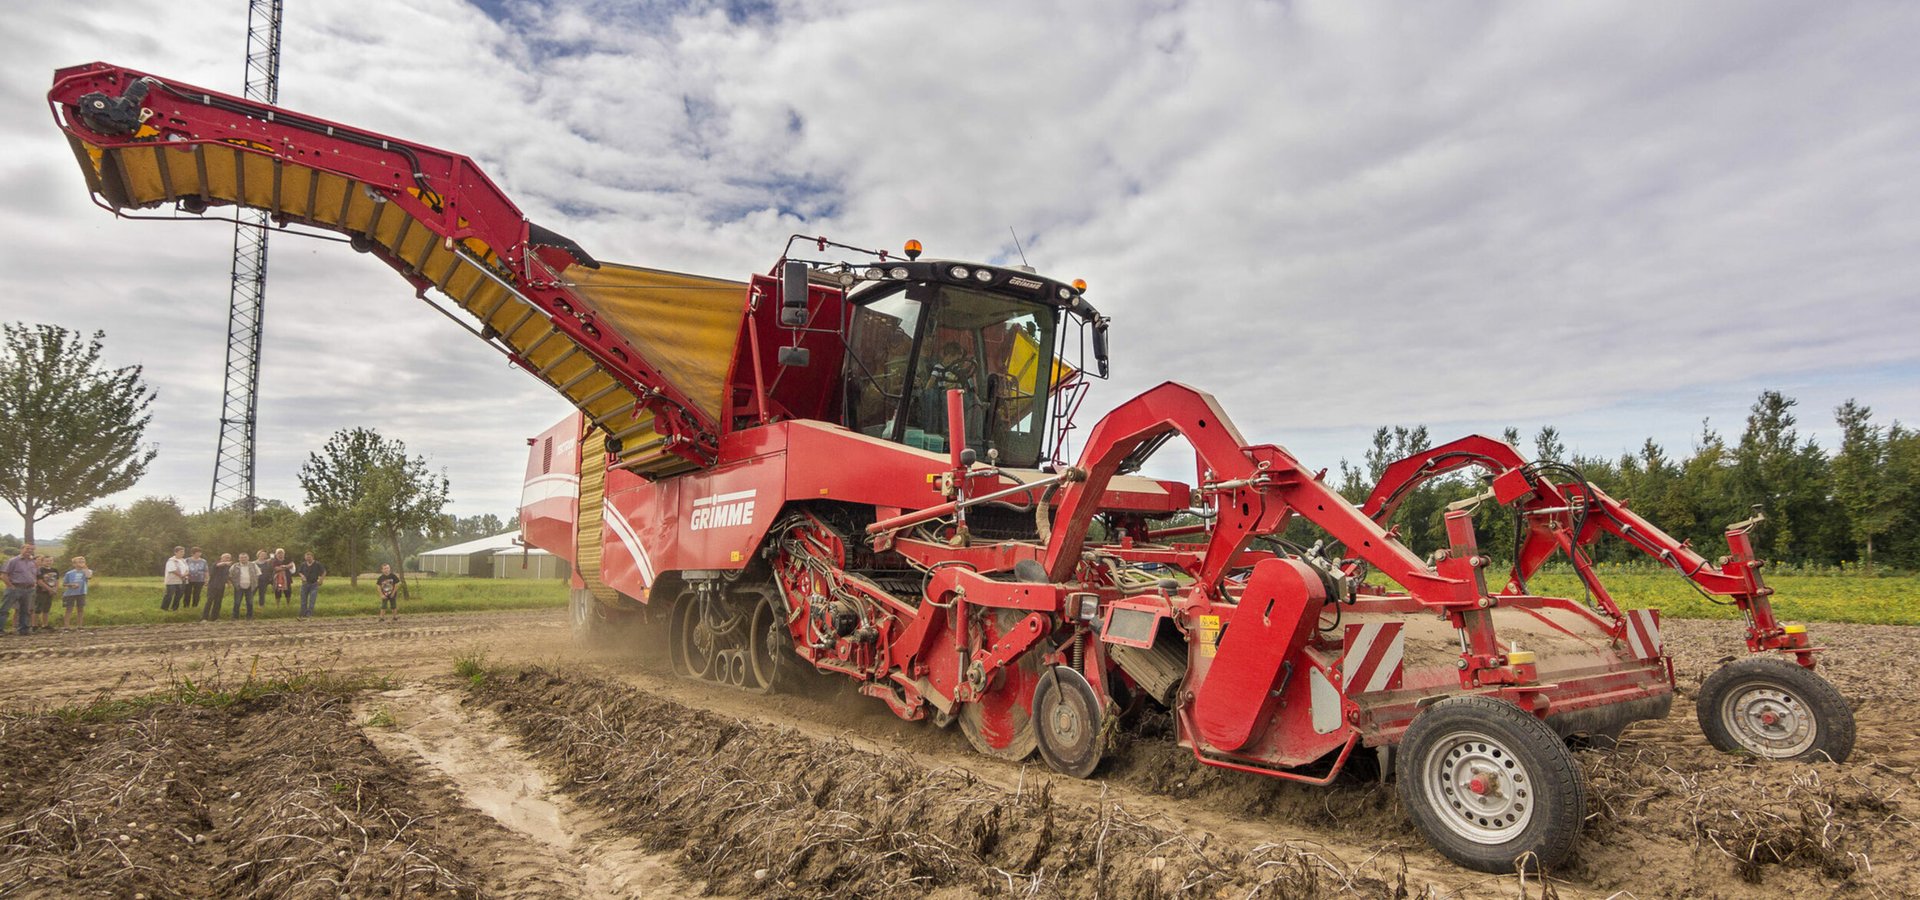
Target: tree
<point>1547,446</point>
<point>135,540</point>
<point>360,486</point>
<point>404,501</point>
<point>455,529</point>
<point>1860,482</point>
<point>73,426</point>
<point>1788,479</point>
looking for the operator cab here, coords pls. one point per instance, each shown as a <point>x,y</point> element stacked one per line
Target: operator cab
<point>994,333</point>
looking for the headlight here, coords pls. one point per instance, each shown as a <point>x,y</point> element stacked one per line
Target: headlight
<point>959,272</point>
<point>1085,607</point>
<point>1066,294</point>
<point>983,274</point>
<point>876,274</point>
<point>899,273</point>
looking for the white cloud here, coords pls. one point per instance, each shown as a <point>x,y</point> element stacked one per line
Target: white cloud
<point>1616,219</point>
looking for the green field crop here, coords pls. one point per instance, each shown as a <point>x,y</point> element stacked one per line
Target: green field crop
<point>1886,600</point>
<point>132,601</point>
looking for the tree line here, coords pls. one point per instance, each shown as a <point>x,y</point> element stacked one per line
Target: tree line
<point>1856,503</point>
<point>73,434</point>
<point>368,502</point>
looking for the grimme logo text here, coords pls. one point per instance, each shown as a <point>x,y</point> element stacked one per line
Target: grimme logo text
<point>723,510</point>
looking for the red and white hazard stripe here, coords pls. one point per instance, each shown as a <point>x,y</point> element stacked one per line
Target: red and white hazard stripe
<point>1374,656</point>
<point>1643,633</point>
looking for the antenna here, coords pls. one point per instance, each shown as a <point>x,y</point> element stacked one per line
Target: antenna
<point>1017,247</point>
<point>234,480</point>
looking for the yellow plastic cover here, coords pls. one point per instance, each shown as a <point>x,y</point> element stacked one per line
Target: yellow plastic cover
<point>685,325</point>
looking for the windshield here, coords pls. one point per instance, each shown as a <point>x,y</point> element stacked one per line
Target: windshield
<point>909,348</point>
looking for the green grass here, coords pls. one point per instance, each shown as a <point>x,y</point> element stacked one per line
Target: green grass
<point>1835,597</point>
<point>214,692</point>
<point>134,601</point>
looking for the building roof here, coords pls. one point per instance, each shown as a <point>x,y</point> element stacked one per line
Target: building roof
<point>529,550</point>
<point>492,544</point>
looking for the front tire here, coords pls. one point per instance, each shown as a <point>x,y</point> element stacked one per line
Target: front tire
<point>1774,708</point>
<point>1491,786</point>
<point>592,626</point>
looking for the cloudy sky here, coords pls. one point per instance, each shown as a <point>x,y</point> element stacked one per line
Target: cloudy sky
<point>1619,219</point>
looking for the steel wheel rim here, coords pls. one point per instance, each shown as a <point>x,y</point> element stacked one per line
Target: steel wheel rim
<point>697,660</point>
<point>1769,720</point>
<point>581,612</point>
<point>1480,790</point>
<point>762,649</point>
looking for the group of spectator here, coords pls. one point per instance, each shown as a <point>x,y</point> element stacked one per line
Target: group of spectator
<point>191,581</point>
<point>31,583</point>
<point>191,577</point>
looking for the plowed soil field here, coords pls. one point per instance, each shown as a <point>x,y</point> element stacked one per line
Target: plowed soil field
<point>344,758</point>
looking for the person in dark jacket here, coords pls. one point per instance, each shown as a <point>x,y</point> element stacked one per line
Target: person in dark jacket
<point>311,575</point>
<point>217,587</point>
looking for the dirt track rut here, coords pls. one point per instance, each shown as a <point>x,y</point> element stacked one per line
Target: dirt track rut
<point>1644,839</point>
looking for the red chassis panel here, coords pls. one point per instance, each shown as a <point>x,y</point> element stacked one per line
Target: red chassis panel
<point>550,498</point>
<point>716,519</point>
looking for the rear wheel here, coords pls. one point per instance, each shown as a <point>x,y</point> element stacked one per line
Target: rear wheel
<point>690,644</point>
<point>770,649</point>
<point>1491,786</point>
<point>1775,708</point>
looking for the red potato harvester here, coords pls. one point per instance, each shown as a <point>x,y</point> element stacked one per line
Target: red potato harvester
<point>863,468</point>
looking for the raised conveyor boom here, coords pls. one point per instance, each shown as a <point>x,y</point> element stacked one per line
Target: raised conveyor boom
<point>642,353</point>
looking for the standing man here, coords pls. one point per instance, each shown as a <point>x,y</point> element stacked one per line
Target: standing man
<point>217,588</point>
<point>21,574</point>
<point>75,598</point>
<point>244,576</point>
<point>311,574</point>
<point>196,577</point>
<point>176,579</point>
<point>43,593</point>
<point>389,590</point>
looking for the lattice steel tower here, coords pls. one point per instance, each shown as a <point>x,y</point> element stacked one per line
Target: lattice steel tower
<point>233,464</point>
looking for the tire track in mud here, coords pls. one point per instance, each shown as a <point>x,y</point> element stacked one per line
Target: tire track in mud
<point>237,635</point>
<point>431,730</point>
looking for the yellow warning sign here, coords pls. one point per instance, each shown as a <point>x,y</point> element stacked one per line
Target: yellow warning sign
<point>1209,635</point>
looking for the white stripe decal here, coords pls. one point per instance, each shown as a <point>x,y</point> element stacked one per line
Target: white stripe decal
<point>549,487</point>
<point>624,532</point>
<point>1633,635</point>
<point>1653,633</point>
<point>1389,663</point>
<point>1357,651</point>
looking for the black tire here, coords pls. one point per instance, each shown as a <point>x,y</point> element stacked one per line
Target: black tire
<point>1491,786</point>
<point>593,626</point>
<point>1070,728</point>
<point>774,667</point>
<point>1774,708</point>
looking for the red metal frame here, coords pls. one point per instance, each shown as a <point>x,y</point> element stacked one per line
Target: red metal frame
<point>1551,511</point>
<point>445,191</point>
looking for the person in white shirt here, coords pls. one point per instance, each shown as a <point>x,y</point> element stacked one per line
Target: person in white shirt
<point>176,580</point>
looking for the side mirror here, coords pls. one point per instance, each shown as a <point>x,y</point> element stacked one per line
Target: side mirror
<point>793,294</point>
<point>1100,345</point>
<point>797,357</point>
